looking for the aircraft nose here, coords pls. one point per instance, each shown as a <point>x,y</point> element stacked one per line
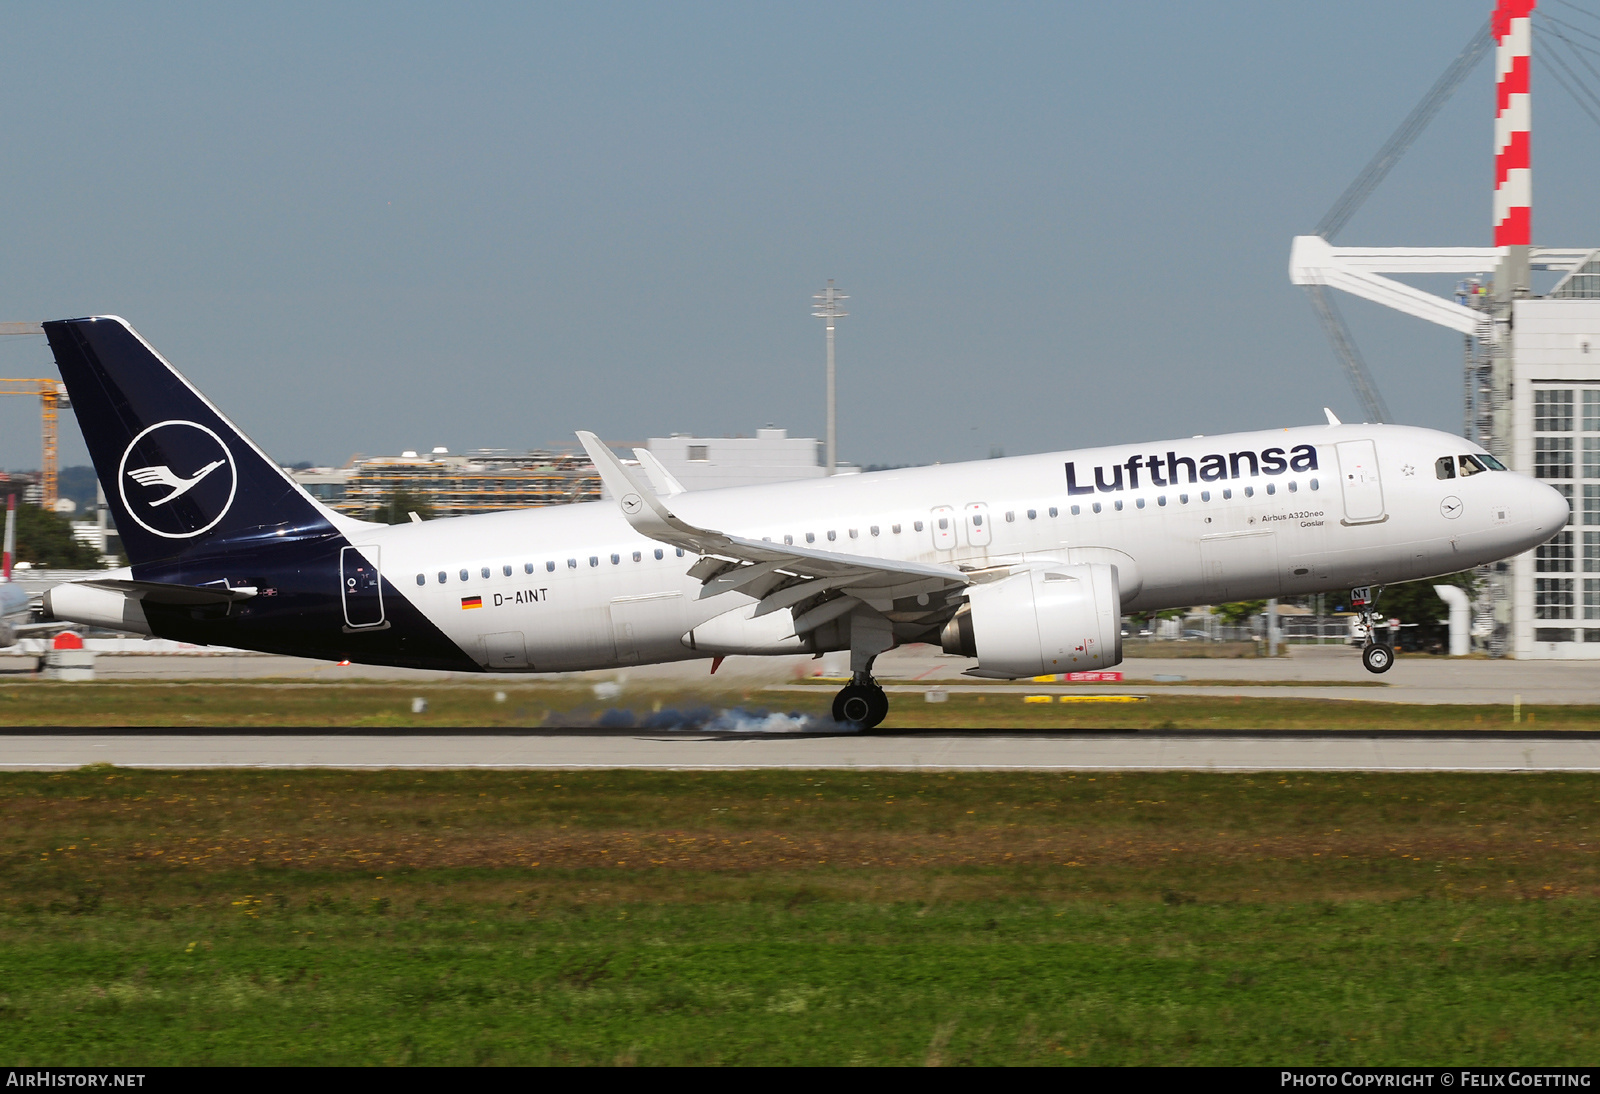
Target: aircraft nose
<point>1551,508</point>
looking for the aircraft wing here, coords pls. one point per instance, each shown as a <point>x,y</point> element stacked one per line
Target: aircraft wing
<point>777,574</point>
<point>20,629</point>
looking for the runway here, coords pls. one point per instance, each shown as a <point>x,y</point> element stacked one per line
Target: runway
<point>1311,672</point>
<point>48,750</point>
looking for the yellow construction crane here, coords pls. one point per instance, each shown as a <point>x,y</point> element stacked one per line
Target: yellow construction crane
<point>52,399</point>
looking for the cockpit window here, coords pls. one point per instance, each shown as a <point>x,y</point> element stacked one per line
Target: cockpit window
<point>1470,465</point>
<point>1494,464</point>
<point>1444,467</point>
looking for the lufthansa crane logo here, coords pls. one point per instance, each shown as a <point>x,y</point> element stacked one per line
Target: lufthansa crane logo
<point>177,479</point>
<point>632,504</point>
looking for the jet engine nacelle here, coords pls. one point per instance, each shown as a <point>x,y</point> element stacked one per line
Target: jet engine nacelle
<point>1051,619</point>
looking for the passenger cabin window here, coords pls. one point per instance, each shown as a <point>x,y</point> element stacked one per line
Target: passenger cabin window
<point>832,535</point>
<point>527,567</point>
<point>1183,499</point>
<point>977,521</point>
<point>1053,512</point>
<point>1205,495</point>
<point>788,540</point>
<point>422,579</point>
<point>944,522</point>
<point>638,556</point>
<point>659,553</point>
<point>1096,507</point>
<point>506,569</point>
<point>1249,491</point>
<point>1161,499</point>
<point>615,559</point>
<point>1139,503</point>
<point>1292,486</point>
<point>572,564</point>
<point>895,528</point>
<point>1011,517</point>
<point>1313,484</point>
<point>1075,510</point>
<point>485,572</point>
<point>463,575</point>
<point>854,534</point>
<point>1272,488</point>
<point>1033,514</point>
<point>916,526</point>
<point>1471,466</point>
<point>1118,504</point>
<point>550,567</point>
<point>873,529</point>
<point>443,577</point>
<point>1444,468</point>
<point>811,537</point>
<point>1227,495</point>
<point>594,560</point>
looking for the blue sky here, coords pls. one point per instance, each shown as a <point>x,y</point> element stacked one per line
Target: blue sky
<point>362,228</point>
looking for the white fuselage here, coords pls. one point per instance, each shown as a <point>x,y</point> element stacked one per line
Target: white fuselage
<point>576,587</point>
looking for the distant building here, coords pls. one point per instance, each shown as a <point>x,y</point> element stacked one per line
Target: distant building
<point>483,481</point>
<point>488,480</point>
<point>705,463</point>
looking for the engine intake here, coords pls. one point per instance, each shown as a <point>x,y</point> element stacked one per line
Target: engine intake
<point>1046,620</point>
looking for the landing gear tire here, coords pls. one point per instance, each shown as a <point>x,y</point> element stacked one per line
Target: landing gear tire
<point>1378,658</point>
<point>862,705</point>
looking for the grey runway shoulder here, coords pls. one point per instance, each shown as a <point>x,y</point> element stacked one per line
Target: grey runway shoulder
<point>45,750</point>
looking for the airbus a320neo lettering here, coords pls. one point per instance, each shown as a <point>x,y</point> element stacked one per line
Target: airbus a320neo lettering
<point>1025,564</point>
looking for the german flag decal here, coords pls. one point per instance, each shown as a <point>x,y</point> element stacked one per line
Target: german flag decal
<point>471,602</point>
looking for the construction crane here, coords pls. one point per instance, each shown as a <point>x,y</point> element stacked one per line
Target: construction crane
<point>1333,324</point>
<point>52,400</point>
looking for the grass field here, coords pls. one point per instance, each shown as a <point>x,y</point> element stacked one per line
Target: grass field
<point>386,706</point>
<point>796,917</point>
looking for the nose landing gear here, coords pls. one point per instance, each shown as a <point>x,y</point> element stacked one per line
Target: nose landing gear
<point>1376,656</point>
<point>861,703</point>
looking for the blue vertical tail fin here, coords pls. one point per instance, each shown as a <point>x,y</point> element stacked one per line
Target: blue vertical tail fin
<point>181,479</point>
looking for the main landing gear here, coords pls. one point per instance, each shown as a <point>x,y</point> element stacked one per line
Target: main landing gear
<point>861,703</point>
<point>1375,656</point>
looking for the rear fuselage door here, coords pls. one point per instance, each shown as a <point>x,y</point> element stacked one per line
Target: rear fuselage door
<point>1358,476</point>
<point>943,524</point>
<point>361,587</point>
<point>977,524</point>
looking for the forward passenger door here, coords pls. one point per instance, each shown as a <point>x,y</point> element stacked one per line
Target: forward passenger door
<point>1358,477</point>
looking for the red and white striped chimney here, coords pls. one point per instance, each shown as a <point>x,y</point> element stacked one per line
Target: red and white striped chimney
<point>1513,174</point>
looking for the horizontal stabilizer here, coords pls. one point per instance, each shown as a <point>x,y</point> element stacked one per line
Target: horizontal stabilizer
<point>160,592</point>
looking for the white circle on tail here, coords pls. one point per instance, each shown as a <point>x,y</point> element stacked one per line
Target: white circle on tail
<point>183,479</point>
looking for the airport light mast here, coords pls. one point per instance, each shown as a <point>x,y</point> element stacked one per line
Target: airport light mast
<point>827,308</point>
